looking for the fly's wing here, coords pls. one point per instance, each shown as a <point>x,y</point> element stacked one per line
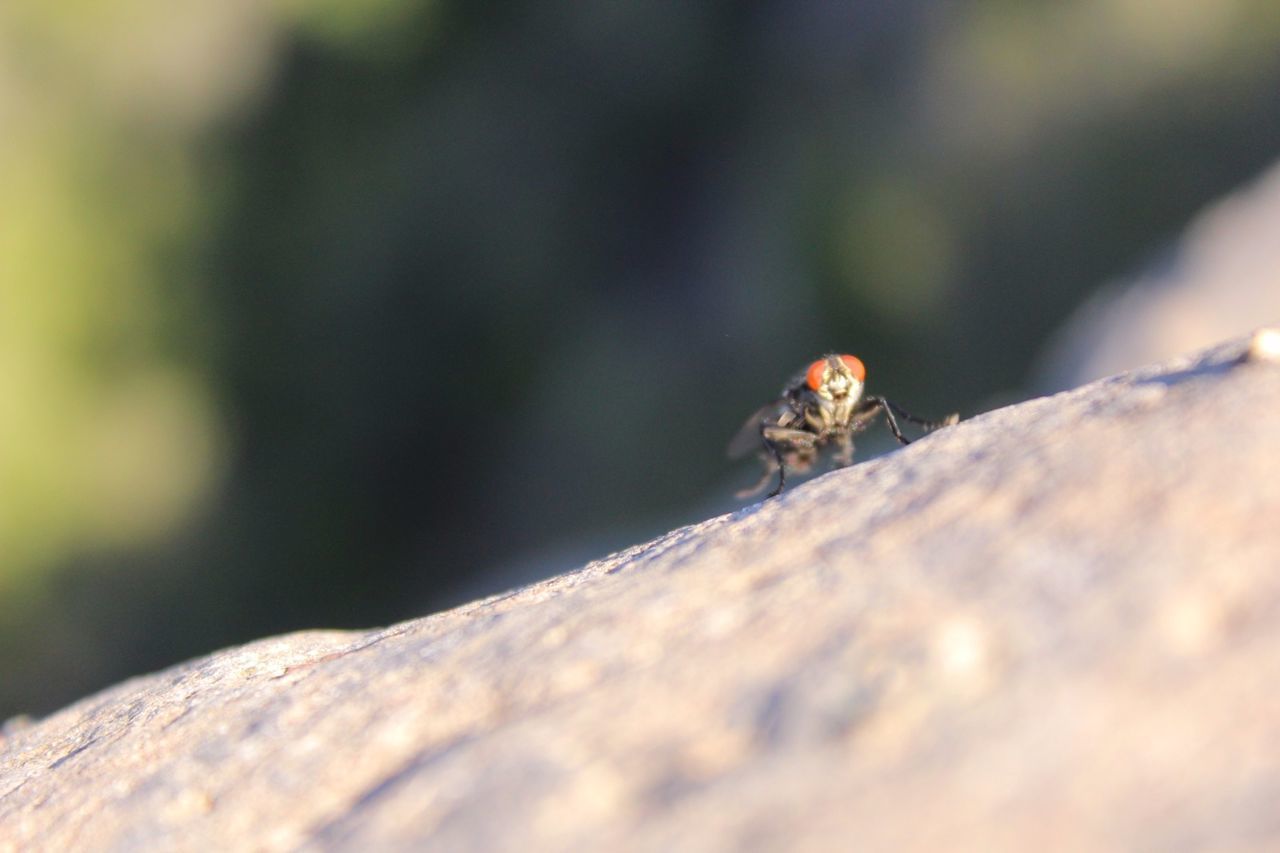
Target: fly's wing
<point>748,438</point>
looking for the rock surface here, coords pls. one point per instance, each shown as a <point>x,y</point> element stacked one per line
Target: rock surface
<point>1053,626</point>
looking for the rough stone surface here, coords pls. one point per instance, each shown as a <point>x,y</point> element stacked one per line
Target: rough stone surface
<point>1053,626</point>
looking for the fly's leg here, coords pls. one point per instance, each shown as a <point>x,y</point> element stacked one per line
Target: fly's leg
<point>928,425</point>
<point>770,466</point>
<point>795,441</point>
<point>873,407</point>
<point>782,472</point>
<point>880,404</point>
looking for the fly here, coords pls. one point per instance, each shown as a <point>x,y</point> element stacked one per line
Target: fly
<point>822,406</point>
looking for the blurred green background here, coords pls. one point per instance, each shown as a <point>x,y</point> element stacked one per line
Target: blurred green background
<point>326,314</point>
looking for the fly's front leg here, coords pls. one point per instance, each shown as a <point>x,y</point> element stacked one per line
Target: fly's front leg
<point>777,439</point>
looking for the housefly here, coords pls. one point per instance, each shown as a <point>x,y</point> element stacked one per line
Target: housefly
<point>822,406</point>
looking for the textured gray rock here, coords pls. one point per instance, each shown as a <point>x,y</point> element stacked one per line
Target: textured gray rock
<point>1054,626</point>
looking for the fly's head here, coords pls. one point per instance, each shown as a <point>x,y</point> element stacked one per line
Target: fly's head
<point>836,378</point>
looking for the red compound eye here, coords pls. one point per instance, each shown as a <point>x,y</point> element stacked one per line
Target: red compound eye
<point>816,371</point>
<point>855,366</point>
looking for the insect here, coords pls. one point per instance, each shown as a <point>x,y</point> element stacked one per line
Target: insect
<point>821,406</point>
